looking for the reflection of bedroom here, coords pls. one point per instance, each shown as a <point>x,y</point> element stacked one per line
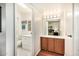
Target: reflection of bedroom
<point>53,27</point>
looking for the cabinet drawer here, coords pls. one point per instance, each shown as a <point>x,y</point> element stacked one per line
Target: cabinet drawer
<point>29,38</point>
<point>26,40</point>
<point>53,45</point>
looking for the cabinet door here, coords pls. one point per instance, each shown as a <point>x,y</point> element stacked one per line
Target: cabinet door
<point>59,46</point>
<point>51,45</point>
<point>44,43</point>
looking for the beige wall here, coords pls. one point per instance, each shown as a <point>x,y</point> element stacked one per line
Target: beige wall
<point>37,29</point>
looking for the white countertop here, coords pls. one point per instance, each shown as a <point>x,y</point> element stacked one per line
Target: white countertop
<point>49,36</point>
<point>27,35</point>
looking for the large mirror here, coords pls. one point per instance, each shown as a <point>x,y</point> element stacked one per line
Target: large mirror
<point>51,27</point>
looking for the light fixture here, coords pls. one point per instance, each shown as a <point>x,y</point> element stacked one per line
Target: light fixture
<point>54,16</point>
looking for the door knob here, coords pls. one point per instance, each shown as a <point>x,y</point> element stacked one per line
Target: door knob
<point>69,36</point>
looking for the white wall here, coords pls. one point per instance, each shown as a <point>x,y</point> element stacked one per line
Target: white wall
<point>3,33</point>
<point>37,29</point>
<point>62,23</point>
<point>10,29</point>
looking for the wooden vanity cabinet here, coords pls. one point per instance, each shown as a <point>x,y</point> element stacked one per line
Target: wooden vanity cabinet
<point>52,45</point>
<point>59,46</point>
<point>44,44</point>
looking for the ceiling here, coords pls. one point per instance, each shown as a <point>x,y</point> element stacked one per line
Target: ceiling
<point>42,6</point>
<point>49,8</point>
<point>46,8</point>
<point>23,8</point>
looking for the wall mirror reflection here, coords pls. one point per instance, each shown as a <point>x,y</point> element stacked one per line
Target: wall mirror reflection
<point>53,28</point>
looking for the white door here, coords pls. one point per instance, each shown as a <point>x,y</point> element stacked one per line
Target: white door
<point>76,29</point>
<point>69,30</point>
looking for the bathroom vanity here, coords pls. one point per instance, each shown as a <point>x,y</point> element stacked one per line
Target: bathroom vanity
<point>27,42</point>
<point>53,44</point>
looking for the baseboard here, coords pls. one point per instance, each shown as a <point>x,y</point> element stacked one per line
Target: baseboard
<point>37,52</point>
